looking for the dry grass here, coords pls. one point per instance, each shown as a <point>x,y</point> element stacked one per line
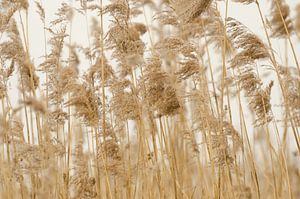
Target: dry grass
<point>181,105</point>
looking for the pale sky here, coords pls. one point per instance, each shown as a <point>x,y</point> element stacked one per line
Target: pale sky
<point>247,14</point>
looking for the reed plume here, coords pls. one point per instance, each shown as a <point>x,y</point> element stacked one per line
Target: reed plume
<point>86,103</point>
<point>282,10</point>
<point>250,49</point>
<point>82,183</point>
<point>189,10</point>
<point>159,92</point>
<point>292,86</point>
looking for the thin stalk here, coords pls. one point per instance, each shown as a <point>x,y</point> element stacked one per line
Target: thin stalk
<point>25,37</point>
<point>246,136</point>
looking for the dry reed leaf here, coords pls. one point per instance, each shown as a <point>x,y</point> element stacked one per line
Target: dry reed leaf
<point>35,104</point>
<point>244,1</point>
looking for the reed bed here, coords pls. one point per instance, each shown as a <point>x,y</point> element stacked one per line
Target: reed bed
<point>164,99</point>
